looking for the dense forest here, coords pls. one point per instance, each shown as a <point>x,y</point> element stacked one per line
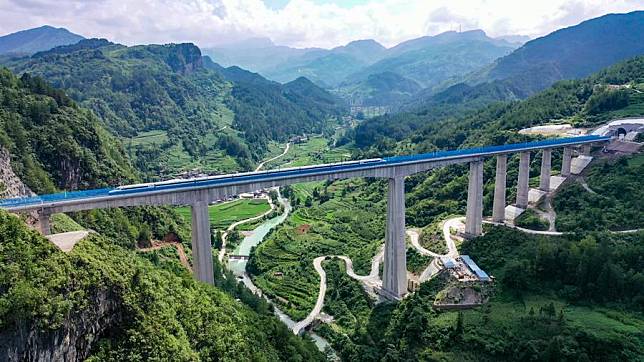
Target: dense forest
<point>555,299</point>
<point>167,89</point>
<point>56,144</point>
<point>117,306</point>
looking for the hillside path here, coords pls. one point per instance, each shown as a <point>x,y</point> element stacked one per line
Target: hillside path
<point>261,165</point>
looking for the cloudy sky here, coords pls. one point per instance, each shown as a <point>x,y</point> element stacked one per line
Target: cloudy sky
<point>299,23</point>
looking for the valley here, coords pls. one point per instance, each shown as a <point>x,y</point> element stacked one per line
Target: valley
<point>451,196</point>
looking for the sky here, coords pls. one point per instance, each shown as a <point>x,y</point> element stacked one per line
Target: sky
<point>299,23</point>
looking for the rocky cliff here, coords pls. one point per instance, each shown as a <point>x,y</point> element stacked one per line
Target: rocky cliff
<point>72,341</point>
<point>10,183</point>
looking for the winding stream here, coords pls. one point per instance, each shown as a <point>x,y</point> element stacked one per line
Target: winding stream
<point>238,267</point>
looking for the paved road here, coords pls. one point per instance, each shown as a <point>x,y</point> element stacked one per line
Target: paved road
<point>453,223</point>
<point>414,238</point>
<point>369,282</point>
<point>317,264</point>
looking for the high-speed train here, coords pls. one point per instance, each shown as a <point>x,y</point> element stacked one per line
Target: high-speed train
<point>209,180</point>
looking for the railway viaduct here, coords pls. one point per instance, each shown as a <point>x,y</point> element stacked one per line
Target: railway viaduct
<point>199,193</point>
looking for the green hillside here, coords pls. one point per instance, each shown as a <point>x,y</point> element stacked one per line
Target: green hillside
<point>209,121</point>
<point>114,305</point>
<point>56,144</point>
<point>582,102</point>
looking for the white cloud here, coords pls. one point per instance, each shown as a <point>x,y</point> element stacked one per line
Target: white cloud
<point>301,22</point>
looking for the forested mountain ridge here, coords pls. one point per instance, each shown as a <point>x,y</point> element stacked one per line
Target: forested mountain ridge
<point>573,52</point>
<point>568,53</point>
<point>325,67</point>
<point>427,61</point>
<point>196,111</point>
<point>352,70</point>
<point>55,144</point>
<point>38,39</point>
<point>611,93</point>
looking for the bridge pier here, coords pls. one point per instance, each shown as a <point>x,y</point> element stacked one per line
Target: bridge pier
<point>394,279</point>
<point>498,208</point>
<point>585,149</point>
<point>523,181</point>
<point>546,168</point>
<point>201,248</point>
<point>566,161</point>
<point>44,223</point>
<point>474,213</point>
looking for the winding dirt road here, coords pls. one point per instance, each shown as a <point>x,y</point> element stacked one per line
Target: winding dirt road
<point>261,165</point>
<point>232,226</point>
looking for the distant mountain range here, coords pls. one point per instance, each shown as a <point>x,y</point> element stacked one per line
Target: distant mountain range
<point>570,53</point>
<point>36,40</point>
<point>353,70</point>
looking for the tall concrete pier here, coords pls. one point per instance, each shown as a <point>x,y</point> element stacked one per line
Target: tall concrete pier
<point>44,222</point>
<point>524,179</point>
<point>199,192</point>
<point>566,161</point>
<point>201,248</point>
<point>546,168</point>
<point>474,213</point>
<point>585,150</point>
<point>498,207</point>
<point>394,279</point>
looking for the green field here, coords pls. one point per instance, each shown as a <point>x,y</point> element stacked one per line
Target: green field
<point>146,138</point>
<point>224,214</point>
<point>314,151</point>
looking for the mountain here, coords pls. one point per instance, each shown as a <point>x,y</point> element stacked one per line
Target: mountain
<point>428,62</point>
<point>172,111</point>
<point>284,64</point>
<point>433,59</point>
<point>615,92</point>
<point>52,142</point>
<point>255,54</point>
<point>379,89</point>
<point>328,68</point>
<point>569,53</point>
<point>517,40</point>
<point>36,40</point>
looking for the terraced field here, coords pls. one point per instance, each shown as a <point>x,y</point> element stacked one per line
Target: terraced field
<point>344,224</point>
<point>224,214</point>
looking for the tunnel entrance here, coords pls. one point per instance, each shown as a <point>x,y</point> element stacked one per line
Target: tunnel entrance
<point>621,133</point>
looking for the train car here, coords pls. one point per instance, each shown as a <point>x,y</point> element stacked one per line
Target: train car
<point>178,183</point>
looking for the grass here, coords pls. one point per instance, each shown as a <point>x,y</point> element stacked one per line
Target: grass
<point>61,223</point>
<point>314,151</point>
<point>224,214</point>
<point>150,137</point>
<point>344,225</point>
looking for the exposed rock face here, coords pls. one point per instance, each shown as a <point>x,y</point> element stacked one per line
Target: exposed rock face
<point>183,58</point>
<point>72,341</point>
<point>10,183</point>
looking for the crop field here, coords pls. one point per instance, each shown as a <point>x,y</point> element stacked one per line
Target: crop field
<point>314,151</point>
<point>347,224</point>
<point>224,214</point>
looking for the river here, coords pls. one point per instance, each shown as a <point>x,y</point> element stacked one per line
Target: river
<point>238,267</point>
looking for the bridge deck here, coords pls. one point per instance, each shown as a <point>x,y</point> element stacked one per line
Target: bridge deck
<point>280,174</point>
